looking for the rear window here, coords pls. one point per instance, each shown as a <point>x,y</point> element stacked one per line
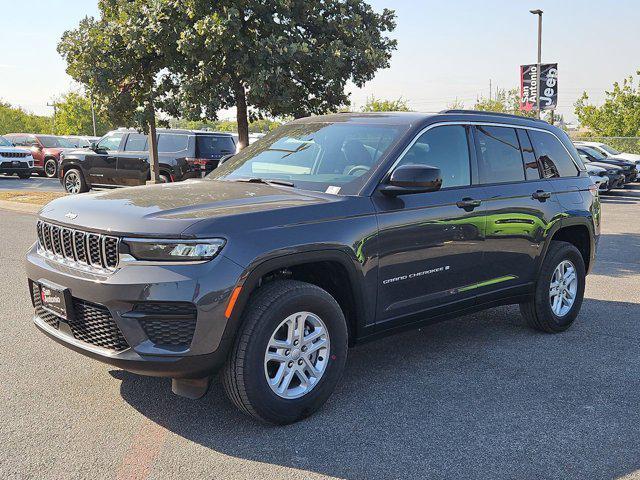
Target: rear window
<point>499,157</point>
<point>554,158</point>
<point>209,146</point>
<point>172,142</point>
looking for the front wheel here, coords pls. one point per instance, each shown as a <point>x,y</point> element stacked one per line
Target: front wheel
<point>51,168</point>
<point>74,182</point>
<point>289,353</point>
<point>559,291</point>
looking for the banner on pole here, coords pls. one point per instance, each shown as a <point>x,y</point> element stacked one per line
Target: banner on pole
<point>530,87</point>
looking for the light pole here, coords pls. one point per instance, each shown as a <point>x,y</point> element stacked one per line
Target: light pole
<point>539,74</point>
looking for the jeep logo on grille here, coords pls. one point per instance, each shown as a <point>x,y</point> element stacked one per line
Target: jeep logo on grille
<point>71,215</point>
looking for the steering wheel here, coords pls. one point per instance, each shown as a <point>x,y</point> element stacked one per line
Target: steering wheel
<point>358,170</point>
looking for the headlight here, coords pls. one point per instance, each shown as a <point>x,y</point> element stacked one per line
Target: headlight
<point>173,250</point>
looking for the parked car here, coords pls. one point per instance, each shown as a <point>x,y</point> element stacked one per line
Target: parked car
<point>609,151</point>
<point>629,169</point>
<point>598,176</point>
<point>45,149</point>
<point>615,175</point>
<point>81,141</point>
<point>121,158</point>
<point>15,161</point>
<point>330,231</point>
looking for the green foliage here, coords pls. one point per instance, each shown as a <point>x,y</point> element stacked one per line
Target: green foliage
<point>505,101</point>
<point>14,120</point>
<point>258,126</point>
<point>280,58</point>
<point>73,116</point>
<point>618,116</point>
<point>379,105</point>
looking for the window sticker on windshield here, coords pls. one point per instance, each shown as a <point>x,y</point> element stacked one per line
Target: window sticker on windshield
<point>333,190</point>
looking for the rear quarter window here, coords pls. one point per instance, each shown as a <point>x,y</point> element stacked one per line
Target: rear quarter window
<point>172,142</point>
<point>552,155</point>
<point>214,145</point>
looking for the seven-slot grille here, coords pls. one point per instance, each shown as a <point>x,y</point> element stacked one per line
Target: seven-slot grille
<point>14,154</point>
<point>83,249</point>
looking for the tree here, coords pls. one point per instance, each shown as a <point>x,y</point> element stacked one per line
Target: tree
<point>14,120</point>
<point>505,101</point>
<point>124,59</point>
<point>73,116</point>
<point>618,116</point>
<point>281,58</point>
<point>379,105</point>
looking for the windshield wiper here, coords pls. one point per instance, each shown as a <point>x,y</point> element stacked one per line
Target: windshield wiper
<point>264,181</point>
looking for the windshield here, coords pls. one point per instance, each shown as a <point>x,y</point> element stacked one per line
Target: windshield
<point>594,153</point>
<point>609,150</point>
<point>333,157</point>
<point>5,143</point>
<point>49,141</point>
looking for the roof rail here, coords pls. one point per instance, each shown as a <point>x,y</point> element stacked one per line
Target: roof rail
<point>493,114</point>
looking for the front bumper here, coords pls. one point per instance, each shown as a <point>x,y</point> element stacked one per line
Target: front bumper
<point>206,286</point>
<point>16,166</point>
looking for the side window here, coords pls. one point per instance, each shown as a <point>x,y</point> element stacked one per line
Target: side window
<point>554,158</point>
<point>111,141</point>
<point>30,141</point>
<point>531,170</point>
<point>499,157</point>
<point>446,148</point>
<point>172,142</point>
<point>136,142</point>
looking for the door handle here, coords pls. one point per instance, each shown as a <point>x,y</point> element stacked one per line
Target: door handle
<point>468,204</point>
<point>541,195</point>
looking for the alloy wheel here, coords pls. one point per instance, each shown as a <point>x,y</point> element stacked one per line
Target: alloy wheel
<point>50,168</point>
<point>72,182</point>
<point>563,288</point>
<point>297,355</point>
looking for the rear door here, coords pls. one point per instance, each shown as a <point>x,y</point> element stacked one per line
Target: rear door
<point>133,165</point>
<point>431,244</point>
<point>520,206</point>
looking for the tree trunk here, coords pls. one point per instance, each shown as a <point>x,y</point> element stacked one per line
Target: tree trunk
<point>153,148</point>
<point>242,116</point>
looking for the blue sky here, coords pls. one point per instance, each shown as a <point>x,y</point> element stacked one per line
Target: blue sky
<point>447,49</point>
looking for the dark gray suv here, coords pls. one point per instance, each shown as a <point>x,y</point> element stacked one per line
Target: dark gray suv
<point>329,231</point>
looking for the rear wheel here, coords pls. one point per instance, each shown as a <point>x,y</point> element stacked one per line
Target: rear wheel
<point>559,291</point>
<point>289,353</point>
<point>51,168</point>
<point>74,181</point>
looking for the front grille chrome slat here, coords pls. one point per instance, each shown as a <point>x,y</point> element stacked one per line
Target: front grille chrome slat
<point>83,250</point>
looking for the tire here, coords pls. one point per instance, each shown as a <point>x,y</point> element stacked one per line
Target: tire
<point>245,374</point>
<point>50,168</point>
<point>539,313</point>
<point>24,176</point>
<point>164,178</point>
<point>74,182</point>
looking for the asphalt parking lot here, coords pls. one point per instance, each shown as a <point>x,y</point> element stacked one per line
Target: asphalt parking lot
<point>36,183</point>
<point>476,397</point>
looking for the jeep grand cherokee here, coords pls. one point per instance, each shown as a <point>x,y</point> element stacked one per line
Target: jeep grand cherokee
<point>329,231</point>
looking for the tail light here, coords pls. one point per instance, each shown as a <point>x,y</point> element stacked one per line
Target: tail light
<point>197,161</point>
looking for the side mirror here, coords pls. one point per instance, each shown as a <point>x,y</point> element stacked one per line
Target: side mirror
<point>408,179</point>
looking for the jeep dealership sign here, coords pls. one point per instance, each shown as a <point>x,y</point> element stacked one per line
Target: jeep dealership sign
<point>529,87</point>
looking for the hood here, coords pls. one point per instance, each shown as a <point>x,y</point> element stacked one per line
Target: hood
<point>630,157</point>
<point>167,210</point>
<point>606,166</point>
<point>591,168</point>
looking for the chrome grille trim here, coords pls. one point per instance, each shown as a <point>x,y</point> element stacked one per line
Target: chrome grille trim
<point>78,249</point>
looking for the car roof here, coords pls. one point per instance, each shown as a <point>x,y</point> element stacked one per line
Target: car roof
<point>176,131</point>
<point>414,118</point>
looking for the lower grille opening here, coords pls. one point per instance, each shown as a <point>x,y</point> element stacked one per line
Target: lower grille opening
<point>91,323</point>
<point>169,324</point>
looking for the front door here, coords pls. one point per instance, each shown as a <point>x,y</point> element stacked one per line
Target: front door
<point>101,164</point>
<point>431,244</point>
<point>520,208</point>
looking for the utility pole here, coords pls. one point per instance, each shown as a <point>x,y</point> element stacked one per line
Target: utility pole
<point>93,116</point>
<point>53,121</point>
<point>489,89</point>
<point>539,73</point>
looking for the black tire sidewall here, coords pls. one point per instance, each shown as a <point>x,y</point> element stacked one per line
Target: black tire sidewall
<point>564,251</point>
<point>83,185</point>
<point>55,171</point>
<point>269,405</point>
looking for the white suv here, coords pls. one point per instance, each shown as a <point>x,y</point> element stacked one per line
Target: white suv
<point>14,159</point>
<point>608,151</point>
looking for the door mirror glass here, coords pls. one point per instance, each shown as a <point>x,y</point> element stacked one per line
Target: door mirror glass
<point>408,179</point>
